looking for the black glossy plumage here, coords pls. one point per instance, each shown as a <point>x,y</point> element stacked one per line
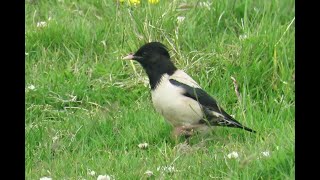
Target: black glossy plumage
<point>155,60</point>
<point>209,105</point>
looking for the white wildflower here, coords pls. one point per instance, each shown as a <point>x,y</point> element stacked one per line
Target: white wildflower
<point>49,19</point>
<point>265,153</point>
<point>31,87</point>
<point>46,178</point>
<point>166,169</point>
<point>91,172</point>
<point>243,37</point>
<point>233,155</point>
<point>55,138</point>
<point>143,145</point>
<point>26,53</point>
<point>41,24</point>
<point>180,19</point>
<point>149,173</point>
<point>104,177</point>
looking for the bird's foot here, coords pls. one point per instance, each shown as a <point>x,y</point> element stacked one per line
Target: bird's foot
<point>185,131</point>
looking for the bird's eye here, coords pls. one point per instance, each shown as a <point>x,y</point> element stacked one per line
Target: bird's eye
<point>144,53</point>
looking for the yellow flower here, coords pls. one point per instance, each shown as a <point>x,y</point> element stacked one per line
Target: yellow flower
<point>134,2</point>
<point>153,1</point>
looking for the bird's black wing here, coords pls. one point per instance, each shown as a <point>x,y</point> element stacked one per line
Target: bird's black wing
<point>215,115</point>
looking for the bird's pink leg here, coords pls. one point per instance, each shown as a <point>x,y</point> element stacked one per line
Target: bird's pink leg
<point>186,131</point>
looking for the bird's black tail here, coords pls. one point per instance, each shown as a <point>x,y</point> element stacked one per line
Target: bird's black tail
<point>231,122</point>
<point>223,119</point>
<point>247,129</point>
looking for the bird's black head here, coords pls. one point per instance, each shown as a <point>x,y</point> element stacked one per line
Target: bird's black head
<point>155,59</point>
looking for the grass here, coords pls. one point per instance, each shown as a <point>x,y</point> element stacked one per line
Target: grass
<point>89,110</point>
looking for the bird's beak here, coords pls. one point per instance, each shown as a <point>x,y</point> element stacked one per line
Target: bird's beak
<point>129,57</point>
